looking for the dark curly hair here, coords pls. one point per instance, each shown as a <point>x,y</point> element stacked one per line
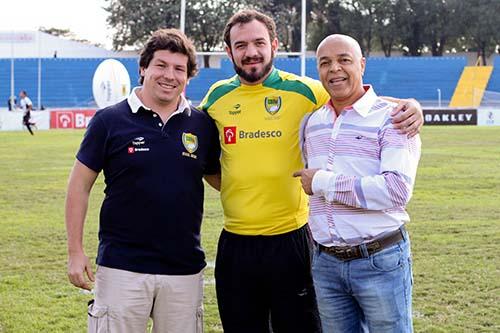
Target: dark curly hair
<point>172,40</point>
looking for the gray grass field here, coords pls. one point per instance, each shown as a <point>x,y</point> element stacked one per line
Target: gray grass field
<point>455,233</point>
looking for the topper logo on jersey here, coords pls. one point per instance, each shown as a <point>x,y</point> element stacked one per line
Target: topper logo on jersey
<point>230,135</point>
<point>236,110</point>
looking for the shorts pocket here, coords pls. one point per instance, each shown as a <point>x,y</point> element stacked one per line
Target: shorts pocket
<point>97,318</point>
<point>387,260</point>
<point>199,320</point>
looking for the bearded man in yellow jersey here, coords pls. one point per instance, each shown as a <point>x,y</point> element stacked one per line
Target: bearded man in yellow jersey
<point>263,270</point>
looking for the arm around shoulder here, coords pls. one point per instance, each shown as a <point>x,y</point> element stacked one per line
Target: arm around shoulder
<point>408,115</point>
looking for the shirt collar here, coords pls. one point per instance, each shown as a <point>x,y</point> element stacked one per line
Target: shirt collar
<point>270,80</point>
<point>363,105</point>
<point>135,103</point>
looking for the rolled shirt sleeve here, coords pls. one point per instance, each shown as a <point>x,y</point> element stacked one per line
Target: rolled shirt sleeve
<point>392,187</point>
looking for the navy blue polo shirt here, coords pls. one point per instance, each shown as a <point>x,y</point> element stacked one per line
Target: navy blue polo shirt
<point>151,215</point>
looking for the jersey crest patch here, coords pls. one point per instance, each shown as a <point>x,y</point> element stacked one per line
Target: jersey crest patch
<point>272,104</point>
<point>190,142</point>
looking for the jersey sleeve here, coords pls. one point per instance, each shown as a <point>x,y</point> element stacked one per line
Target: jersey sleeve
<point>218,90</point>
<point>320,93</point>
<point>203,104</point>
<point>93,147</point>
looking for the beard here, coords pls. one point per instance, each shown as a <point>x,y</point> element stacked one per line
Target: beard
<point>254,74</point>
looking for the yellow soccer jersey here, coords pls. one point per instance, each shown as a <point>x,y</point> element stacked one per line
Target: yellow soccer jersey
<point>259,133</point>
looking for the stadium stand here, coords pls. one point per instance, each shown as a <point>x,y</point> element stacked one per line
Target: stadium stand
<point>494,83</point>
<point>470,88</point>
<point>67,82</point>
<point>418,77</point>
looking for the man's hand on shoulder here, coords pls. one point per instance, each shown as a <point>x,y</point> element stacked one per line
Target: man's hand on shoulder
<point>408,116</point>
<point>79,265</point>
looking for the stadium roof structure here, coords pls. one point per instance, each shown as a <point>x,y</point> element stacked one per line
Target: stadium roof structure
<point>38,44</point>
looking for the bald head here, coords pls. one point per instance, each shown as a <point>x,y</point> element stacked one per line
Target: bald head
<point>341,66</point>
<point>337,39</point>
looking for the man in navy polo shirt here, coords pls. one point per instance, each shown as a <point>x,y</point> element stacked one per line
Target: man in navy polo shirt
<point>154,150</point>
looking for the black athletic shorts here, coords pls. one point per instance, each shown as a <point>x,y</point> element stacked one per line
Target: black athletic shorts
<point>264,283</point>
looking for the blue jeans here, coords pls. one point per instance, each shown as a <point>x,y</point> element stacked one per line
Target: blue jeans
<point>371,294</point>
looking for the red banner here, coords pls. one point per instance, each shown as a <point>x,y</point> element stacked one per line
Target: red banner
<point>71,118</point>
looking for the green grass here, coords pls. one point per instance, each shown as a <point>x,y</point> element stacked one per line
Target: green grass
<point>455,233</point>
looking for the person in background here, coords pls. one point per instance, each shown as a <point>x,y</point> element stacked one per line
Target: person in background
<point>360,176</point>
<point>11,103</point>
<point>27,106</point>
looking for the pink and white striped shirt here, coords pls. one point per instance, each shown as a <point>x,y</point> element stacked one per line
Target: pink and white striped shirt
<point>367,171</point>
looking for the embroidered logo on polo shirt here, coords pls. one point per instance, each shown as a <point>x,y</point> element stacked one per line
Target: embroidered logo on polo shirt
<point>138,141</point>
<point>229,135</point>
<point>190,142</point>
<point>136,145</point>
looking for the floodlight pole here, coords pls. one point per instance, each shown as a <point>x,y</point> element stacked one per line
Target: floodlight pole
<point>183,16</point>
<point>303,40</point>
<point>12,96</point>
<point>39,99</point>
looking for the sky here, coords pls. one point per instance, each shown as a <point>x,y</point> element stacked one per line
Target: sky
<point>85,18</point>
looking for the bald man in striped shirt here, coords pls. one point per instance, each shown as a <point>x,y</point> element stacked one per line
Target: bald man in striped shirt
<point>360,175</point>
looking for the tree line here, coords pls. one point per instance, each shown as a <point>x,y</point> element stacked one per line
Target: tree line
<point>413,27</point>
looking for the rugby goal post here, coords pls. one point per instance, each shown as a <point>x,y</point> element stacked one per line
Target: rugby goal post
<point>302,53</point>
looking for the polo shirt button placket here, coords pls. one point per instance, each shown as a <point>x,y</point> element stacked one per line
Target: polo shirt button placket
<point>160,124</point>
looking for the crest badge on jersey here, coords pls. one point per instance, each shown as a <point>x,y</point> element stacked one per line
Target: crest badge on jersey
<point>272,104</point>
<point>190,142</point>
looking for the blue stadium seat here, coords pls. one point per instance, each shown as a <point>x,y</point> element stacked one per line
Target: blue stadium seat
<point>494,83</point>
<point>66,82</point>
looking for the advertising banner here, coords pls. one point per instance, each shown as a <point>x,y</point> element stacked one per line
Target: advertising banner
<point>488,116</point>
<point>450,116</point>
<point>71,118</point>
<point>13,120</point>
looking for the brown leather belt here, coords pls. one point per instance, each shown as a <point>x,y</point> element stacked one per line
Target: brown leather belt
<point>347,253</point>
